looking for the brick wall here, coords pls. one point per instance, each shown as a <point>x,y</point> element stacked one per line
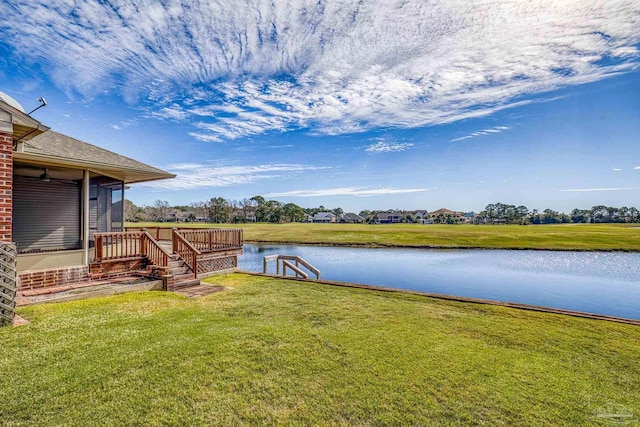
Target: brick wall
<point>6,185</point>
<point>54,277</point>
<point>105,269</point>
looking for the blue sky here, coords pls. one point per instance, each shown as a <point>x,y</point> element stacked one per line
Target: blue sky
<point>362,105</point>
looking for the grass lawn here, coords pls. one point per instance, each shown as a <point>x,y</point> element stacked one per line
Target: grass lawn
<point>558,236</point>
<point>279,352</point>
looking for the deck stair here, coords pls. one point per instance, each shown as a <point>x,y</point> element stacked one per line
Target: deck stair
<point>182,275</point>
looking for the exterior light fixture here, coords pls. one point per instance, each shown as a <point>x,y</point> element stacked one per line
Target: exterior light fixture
<point>45,176</point>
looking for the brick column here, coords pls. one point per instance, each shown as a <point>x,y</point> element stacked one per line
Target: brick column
<point>6,186</point>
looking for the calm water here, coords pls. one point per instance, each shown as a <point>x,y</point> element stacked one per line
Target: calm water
<point>595,282</point>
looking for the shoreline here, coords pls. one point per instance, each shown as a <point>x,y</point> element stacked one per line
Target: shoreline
<point>392,246</point>
<point>519,306</point>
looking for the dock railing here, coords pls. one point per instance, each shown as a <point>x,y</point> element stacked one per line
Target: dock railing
<point>290,262</point>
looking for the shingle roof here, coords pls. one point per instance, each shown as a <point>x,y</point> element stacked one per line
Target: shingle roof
<point>324,215</point>
<point>57,146</point>
<point>353,217</point>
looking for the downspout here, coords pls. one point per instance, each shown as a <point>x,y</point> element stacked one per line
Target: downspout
<point>85,215</point>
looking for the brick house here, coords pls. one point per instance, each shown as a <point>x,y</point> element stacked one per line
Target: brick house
<point>56,192</point>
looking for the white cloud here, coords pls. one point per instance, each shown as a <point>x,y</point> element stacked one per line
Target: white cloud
<point>496,129</point>
<point>348,191</point>
<point>383,146</point>
<point>616,169</point>
<point>245,68</point>
<point>581,190</point>
<point>636,168</point>
<point>191,176</point>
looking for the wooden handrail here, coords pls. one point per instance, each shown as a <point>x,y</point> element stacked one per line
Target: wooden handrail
<point>117,245</point>
<point>285,263</point>
<point>186,251</point>
<point>294,268</point>
<point>155,253</point>
<point>213,239</point>
<point>129,244</point>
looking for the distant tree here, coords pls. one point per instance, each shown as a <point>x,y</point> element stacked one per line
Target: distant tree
<point>162,209</point>
<point>600,213</point>
<point>218,210</point>
<point>260,208</point>
<point>293,213</point>
<point>273,210</point>
<point>132,213</point>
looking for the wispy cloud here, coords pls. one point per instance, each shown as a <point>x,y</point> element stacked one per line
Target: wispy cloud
<point>348,191</point>
<point>123,124</point>
<point>496,129</point>
<point>580,190</point>
<point>616,169</point>
<point>194,175</point>
<point>244,68</point>
<point>636,168</point>
<point>382,146</point>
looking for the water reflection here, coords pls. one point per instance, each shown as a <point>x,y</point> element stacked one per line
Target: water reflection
<point>596,282</point>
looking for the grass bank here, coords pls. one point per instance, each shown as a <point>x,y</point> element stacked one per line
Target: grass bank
<point>278,352</point>
<point>603,237</point>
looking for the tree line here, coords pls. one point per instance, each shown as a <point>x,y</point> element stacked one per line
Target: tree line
<point>220,210</point>
<point>496,213</point>
<point>259,209</point>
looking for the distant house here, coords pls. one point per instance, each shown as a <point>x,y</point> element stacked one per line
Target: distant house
<point>351,218</point>
<point>389,218</point>
<point>307,218</point>
<point>420,216</point>
<point>447,216</point>
<point>469,216</point>
<point>324,217</point>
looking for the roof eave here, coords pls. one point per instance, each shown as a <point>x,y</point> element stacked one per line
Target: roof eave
<point>24,121</point>
<point>128,175</point>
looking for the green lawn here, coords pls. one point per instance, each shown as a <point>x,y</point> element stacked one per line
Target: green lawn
<point>560,236</point>
<point>279,352</point>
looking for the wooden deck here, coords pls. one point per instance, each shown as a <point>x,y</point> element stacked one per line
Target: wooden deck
<point>168,253</point>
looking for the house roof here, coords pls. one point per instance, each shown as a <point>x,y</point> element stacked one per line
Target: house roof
<point>352,216</point>
<point>445,211</point>
<point>324,215</point>
<point>55,148</point>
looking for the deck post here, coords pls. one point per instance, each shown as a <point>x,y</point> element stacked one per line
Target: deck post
<point>85,215</point>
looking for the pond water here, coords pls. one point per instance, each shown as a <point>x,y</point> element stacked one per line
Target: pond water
<point>595,282</point>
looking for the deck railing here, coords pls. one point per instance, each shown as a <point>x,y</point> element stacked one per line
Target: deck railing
<point>186,251</point>
<point>204,239</point>
<point>188,244</point>
<point>155,253</point>
<point>117,245</point>
<point>213,239</point>
<point>129,244</point>
<point>158,233</point>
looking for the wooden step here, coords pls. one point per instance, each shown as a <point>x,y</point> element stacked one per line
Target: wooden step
<point>180,270</point>
<point>184,281</point>
<point>175,263</point>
